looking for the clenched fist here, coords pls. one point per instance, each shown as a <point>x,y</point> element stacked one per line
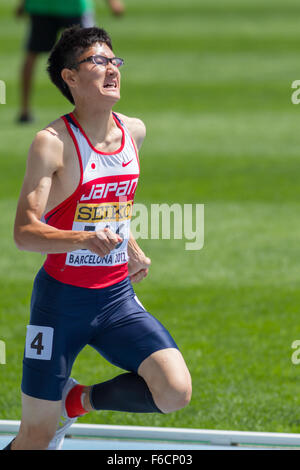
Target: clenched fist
<point>138,268</point>
<point>102,242</point>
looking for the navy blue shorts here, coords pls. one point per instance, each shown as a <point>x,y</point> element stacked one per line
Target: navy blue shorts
<point>65,318</point>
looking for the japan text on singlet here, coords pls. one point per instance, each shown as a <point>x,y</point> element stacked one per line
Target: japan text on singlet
<point>103,198</point>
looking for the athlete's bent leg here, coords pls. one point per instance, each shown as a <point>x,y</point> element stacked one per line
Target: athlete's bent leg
<point>163,384</point>
<point>135,341</point>
<point>39,422</point>
<point>168,379</point>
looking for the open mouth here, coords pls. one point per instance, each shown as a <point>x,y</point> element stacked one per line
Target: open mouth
<point>110,85</point>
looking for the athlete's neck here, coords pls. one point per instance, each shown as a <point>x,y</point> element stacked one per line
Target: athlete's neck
<point>97,124</point>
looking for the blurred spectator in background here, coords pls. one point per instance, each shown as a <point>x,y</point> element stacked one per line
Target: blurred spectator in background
<point>47,18</point>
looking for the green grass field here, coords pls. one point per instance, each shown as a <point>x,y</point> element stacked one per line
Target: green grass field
<point>212,82</point>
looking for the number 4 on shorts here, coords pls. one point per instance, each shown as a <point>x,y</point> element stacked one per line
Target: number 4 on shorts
<point>39,342</point>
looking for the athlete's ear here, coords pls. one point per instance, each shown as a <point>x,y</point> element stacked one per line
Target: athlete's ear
<point>68,76</point>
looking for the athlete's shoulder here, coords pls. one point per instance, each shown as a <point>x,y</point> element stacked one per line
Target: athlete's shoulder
<point>52,134</point>
<point>49,143</point>
<point>56,131</point>
<point>136,128</point>
<point>53,137</point>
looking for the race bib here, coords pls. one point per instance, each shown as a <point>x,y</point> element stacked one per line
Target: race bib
<point>39,342</point>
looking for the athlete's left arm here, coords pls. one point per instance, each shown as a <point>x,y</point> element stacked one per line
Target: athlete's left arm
<point>139,263</point>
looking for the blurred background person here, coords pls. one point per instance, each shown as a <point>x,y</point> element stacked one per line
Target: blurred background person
<point>47,18</point>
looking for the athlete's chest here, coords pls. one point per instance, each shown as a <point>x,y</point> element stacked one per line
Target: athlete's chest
<point>95,174</point>
<point>116,166</point>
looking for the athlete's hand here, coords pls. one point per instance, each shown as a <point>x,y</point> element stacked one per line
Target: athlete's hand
<point>138,268</point>
<point>102,242</point>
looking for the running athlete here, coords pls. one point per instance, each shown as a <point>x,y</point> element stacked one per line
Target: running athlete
<point>75,205</point>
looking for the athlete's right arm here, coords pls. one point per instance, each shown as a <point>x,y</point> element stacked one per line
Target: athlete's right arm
<point>44,160</point>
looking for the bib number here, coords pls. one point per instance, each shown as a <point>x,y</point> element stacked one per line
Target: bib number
<point>39,342</point>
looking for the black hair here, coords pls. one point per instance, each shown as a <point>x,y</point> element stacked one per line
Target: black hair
<point>71,45</point>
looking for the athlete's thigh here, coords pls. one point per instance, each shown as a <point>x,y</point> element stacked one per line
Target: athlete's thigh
<point>57,332</point>
<point>131,335</point>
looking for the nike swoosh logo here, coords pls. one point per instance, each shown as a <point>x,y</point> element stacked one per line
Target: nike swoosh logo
<point>126,163</point>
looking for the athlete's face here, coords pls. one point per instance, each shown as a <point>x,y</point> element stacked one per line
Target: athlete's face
<point>98,81</point>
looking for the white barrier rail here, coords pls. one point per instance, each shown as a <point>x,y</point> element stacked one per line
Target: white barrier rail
<point>212,437</point>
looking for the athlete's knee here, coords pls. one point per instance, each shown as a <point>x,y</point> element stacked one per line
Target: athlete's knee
<point>168,379</point>
<point>174,396</point>
<point>178,397</point>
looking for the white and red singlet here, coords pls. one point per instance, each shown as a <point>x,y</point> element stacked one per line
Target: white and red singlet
<point>104,198</point>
